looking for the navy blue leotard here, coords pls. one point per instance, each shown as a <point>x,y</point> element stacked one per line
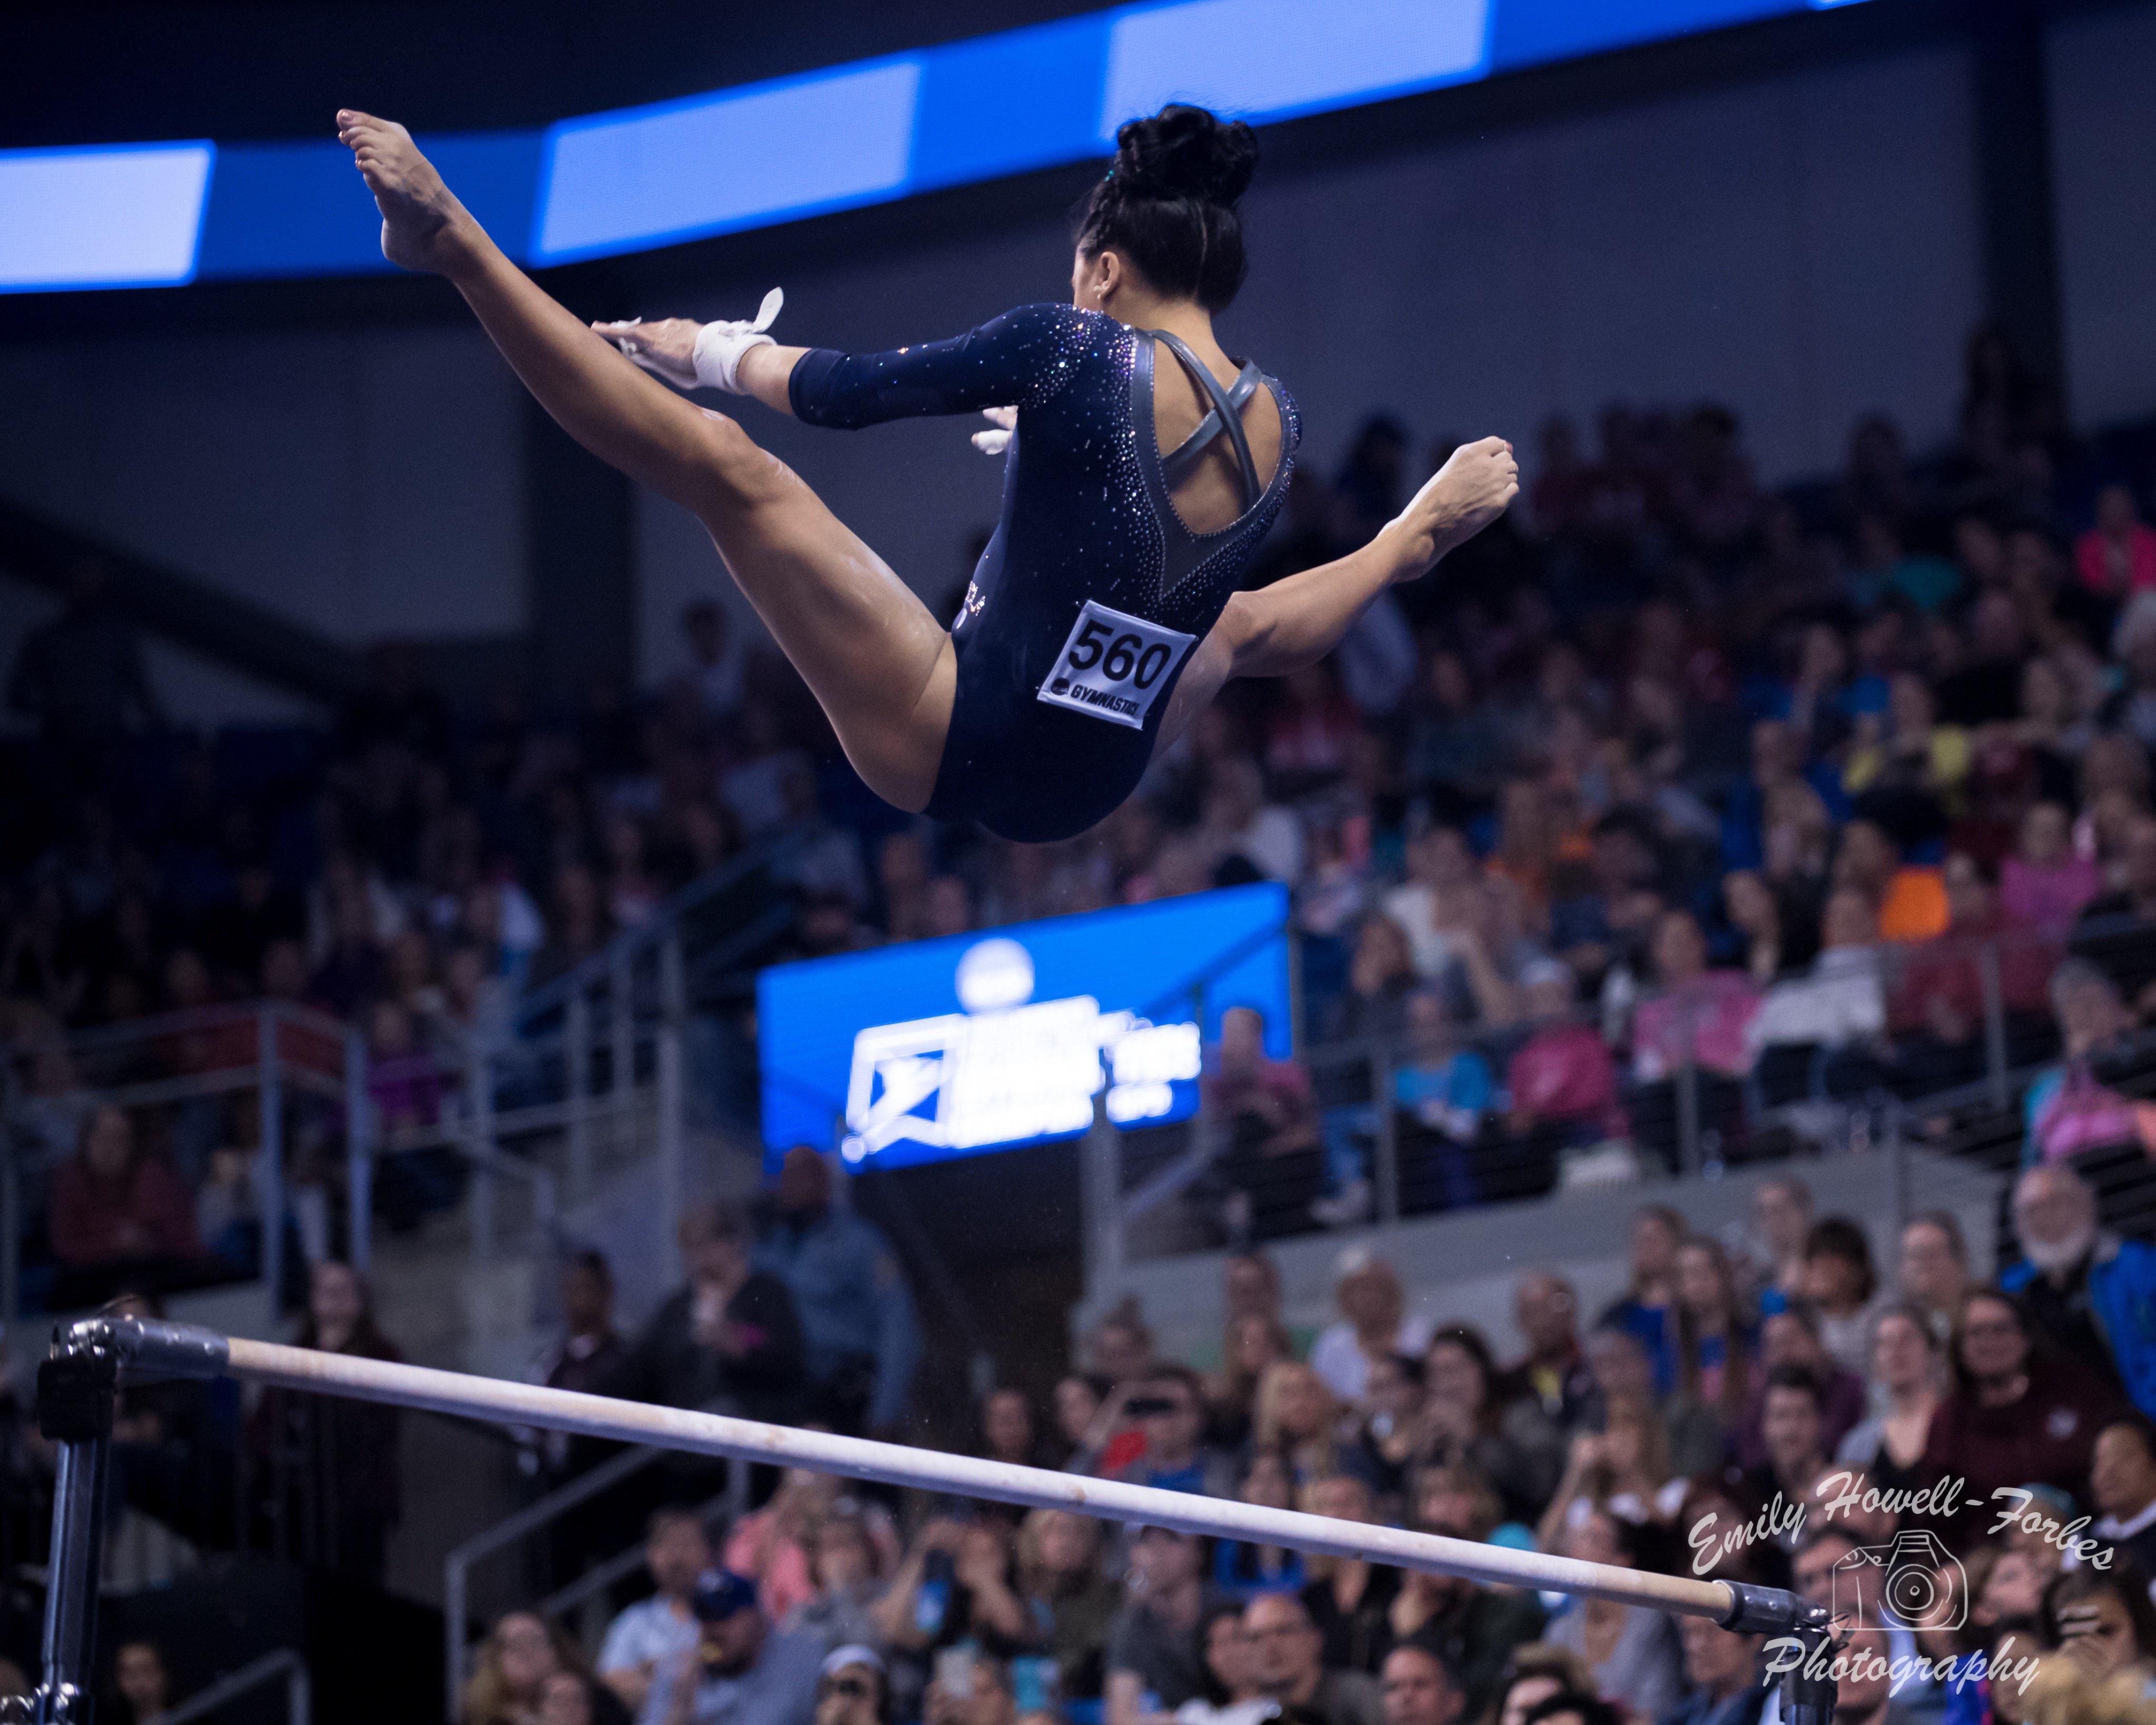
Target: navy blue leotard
<point>1091,594</point>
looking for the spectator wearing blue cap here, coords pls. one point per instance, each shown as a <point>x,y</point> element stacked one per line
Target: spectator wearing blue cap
<point>741,1671</point>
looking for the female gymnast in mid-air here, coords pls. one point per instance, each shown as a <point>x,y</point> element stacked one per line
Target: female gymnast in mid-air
<point>1144,468</point>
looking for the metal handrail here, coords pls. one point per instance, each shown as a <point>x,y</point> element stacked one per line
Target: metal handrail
<point>166,1024</point>
<point>507,1123</point>
<point>650,933</point>
<point>457,1565</point>
<point>151,1091</point>
<point>556,1503</point>
<point>546,1190</point>
<point>742,941</point>
<point>299,1690</point>
<point>1383,1053</point>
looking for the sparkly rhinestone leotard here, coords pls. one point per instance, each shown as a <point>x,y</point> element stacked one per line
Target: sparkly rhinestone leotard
<point>1091,594</point>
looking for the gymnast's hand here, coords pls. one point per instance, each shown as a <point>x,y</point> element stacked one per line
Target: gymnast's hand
<point>1474,487</point>
<point>690,355</point>
<point>994,443</point>
<point>666,349</point>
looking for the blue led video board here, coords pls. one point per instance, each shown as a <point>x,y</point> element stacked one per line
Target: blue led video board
<point>956,1047</point>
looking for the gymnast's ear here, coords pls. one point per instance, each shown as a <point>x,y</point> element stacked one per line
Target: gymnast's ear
<point>1096,277</point>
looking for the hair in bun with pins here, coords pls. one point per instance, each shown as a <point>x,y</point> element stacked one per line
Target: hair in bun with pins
<point>1168,204</point>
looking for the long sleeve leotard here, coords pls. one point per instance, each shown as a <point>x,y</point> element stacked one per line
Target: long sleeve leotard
<point>1091,594</point>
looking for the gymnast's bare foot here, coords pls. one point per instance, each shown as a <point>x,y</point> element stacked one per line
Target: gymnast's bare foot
<point>423,225</point>
<point>1476,485</point>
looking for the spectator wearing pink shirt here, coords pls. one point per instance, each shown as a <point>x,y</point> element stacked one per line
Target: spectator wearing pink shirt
<point>1698,1017</point>
<point>774,1546</point>
<point>403,1081</point>
<point>1563,1078</point>
<point>2044,885</point>
<point>1698,1012</point>
<point>2117,556</point>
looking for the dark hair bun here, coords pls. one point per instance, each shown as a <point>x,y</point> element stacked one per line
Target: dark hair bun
<point>1184,152</point>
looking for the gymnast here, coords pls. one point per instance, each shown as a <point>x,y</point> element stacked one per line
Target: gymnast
<point>1143,467</point>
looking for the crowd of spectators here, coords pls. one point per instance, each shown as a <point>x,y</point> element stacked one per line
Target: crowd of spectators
<point>1765,1404</point>
<point>1670,778</point>
<point>1734,776</point>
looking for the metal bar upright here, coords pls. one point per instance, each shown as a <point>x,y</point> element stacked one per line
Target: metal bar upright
<point>1900,1198</point>
<point>456,1626</point>
<point>1995,1023</point>
<point>670,1098</point>
<point>1689,1160</point>
<point>479,1138</point>
<point>1101,1200</point>
<point>359,1156</point>
<point>11,1239</point>
<point>1386,1175</point>
<point>77,1387</point>
<point>621,1080</point>
<point>271,1177</point>
<point>577,1052</point>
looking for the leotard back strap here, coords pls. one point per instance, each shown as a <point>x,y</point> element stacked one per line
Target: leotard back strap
<point>1226,414</point>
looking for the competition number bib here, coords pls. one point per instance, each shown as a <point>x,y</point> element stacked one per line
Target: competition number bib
<point>1113,665</point>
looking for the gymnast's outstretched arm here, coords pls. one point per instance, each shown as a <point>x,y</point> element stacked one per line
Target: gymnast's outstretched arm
<point>1010,361</point>
<point>1301,617</point>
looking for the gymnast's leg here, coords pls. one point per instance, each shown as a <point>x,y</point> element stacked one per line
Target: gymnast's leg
<point>879,663</point>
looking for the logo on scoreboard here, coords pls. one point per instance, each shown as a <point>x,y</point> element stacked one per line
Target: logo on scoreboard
<point>1008,1068</point>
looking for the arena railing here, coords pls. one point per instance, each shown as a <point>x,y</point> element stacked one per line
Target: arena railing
<point>284,1663</point>
<point>76,1393</point>
<point>589,1073</point>
<point>1158,1191</point>
<point>191,1083</point>
<point>596,1077</point>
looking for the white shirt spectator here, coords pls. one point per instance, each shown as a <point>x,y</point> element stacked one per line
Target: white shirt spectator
<point>1840,1002</point>
<point>1338,1359</point>
<point>1240,822</point>
<point>1413,906</point>
<point>654,1633</point>
<point>1848,1340</point>
<point>718,660</point>
<point>1273,843</point>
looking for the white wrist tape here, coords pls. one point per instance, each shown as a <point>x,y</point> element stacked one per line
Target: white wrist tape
<point>720,346</point>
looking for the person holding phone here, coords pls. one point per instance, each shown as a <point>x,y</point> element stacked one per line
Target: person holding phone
<point>2103,1618</point>
<point>1154,1663</point>
<point>973,1688</point>
<point>955,1585</point>
<point>1169,1411</point>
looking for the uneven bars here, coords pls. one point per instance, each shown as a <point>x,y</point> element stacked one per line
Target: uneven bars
<point>183,1350</point>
